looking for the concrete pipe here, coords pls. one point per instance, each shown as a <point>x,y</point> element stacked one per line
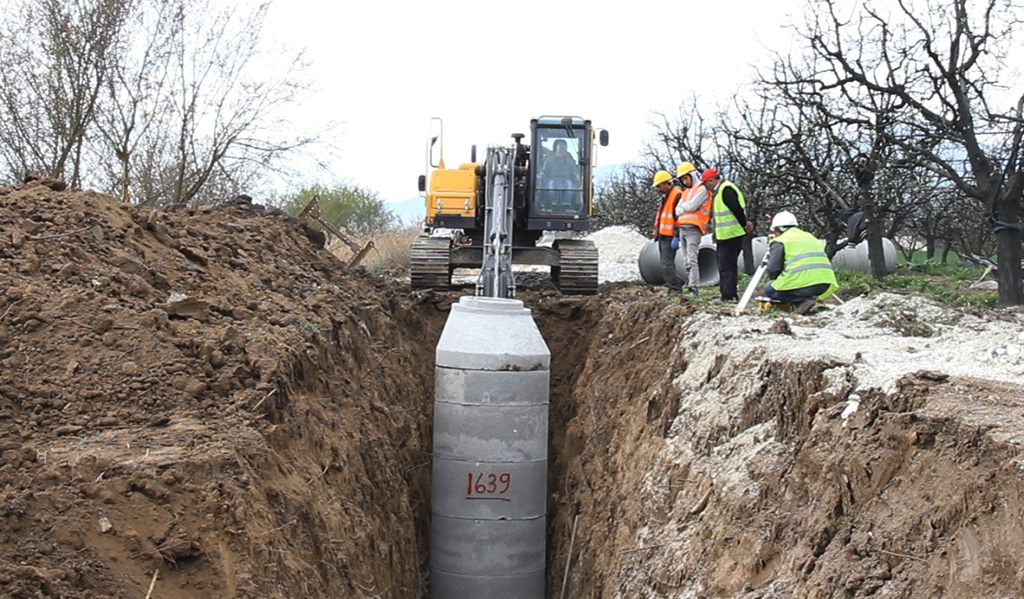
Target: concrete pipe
<point>649,263</point>
<point>758,246</point>
<point>857,258</point>
<point>707,261</point>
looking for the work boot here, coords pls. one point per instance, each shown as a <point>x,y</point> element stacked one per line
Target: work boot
<point>694,291</point>
<point>805,306</point>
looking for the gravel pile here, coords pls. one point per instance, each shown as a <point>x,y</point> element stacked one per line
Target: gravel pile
<point>618,249</point>
<point>884,337</point>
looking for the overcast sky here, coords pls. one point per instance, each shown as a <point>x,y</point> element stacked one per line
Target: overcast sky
<point>384,68</point>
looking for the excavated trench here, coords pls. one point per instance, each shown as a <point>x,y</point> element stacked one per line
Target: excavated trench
<point>677,471</point>
<point>205,403</point>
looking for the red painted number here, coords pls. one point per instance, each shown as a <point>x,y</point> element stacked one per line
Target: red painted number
<point>483,485</point>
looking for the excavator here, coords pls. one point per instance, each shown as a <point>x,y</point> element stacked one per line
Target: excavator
<point>493,214</point>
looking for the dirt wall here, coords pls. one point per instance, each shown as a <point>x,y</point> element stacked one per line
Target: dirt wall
<point>208,396</point>
<point>692,473</point>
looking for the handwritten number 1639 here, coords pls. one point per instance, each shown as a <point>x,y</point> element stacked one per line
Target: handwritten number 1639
<point>483,483</point>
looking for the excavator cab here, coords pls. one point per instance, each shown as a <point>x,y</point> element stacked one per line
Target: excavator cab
<point>561,160</point>
<point>558,182</point>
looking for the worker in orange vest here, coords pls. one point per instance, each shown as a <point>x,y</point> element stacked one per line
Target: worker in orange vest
<point>693,213</point>
<point>665,229</point>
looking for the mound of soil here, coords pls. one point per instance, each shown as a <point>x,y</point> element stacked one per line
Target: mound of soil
<point>207,395</point>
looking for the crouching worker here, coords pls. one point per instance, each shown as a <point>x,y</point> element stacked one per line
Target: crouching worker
<point>799,270</point>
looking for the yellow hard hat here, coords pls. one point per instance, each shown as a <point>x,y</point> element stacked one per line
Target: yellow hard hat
<point>661,177</point>
<point>685,169</point>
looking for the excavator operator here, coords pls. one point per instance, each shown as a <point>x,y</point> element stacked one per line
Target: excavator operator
<point>560,176</point>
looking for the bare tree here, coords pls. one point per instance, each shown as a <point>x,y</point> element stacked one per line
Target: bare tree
<point>55,57</point>
<point>626,198</point>
<point>200,113</point>
<point>136,97</point>
<point>689,137</point>
<point>933,67</point>
<point>173,102</point>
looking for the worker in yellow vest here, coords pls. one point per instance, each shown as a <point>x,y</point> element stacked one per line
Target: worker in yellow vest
<point>665,229</point>
<point>728,212</point>
<point>693,214</point>
<point>799,270</point>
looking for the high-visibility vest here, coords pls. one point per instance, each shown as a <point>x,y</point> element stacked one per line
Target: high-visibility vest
<point>806,263</point>
<point>726,225</point>
<point>699,217</point>
<point>665,222</point>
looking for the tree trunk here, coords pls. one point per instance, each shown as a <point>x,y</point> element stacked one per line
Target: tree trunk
<point>876,255</point>
<point>1008,250</point>
<point>748,254</point>
<point>930,248</point>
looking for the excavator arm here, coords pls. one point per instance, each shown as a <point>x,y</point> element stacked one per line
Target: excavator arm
<point>496,278</point>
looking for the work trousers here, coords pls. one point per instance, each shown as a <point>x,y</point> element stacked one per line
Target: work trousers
<point>689,245</point>
<point>728,270</point>
<point>668,264</point>
<point>795,296</point>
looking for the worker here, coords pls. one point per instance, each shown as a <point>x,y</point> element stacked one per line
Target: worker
<point>693,213</point>
<point>561,175</point>
<point>665,229</point>
<point>799,270</point>
<point>729,217</point>
<point>856,225</point>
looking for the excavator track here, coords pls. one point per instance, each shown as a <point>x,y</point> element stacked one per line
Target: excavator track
<point>430,266</point>
<point>576,273</point>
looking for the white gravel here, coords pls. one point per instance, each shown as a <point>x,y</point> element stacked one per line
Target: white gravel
<point>987,346</point>
<point>882,337</point>
<point>618,250</point>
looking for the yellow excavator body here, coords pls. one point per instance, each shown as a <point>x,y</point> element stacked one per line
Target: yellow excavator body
<point>452,191</point>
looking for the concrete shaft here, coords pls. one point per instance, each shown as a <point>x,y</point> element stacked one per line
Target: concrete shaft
<point>489,489</point>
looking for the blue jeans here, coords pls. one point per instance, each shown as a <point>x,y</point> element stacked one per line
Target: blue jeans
<point>794,296</point>
<point>565,192</point>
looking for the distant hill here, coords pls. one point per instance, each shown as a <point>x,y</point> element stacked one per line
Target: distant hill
<point>411,211</point>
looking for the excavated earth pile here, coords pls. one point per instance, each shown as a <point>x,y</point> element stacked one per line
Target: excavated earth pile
<point>208,396</point>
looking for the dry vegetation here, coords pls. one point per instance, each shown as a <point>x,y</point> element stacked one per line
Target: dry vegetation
<point>391,250</point>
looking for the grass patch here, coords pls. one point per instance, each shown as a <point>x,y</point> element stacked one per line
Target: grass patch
<point>944,284</point>
<point>921,257</point>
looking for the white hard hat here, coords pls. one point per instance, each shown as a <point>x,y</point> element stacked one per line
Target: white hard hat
<point>783,219</point>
